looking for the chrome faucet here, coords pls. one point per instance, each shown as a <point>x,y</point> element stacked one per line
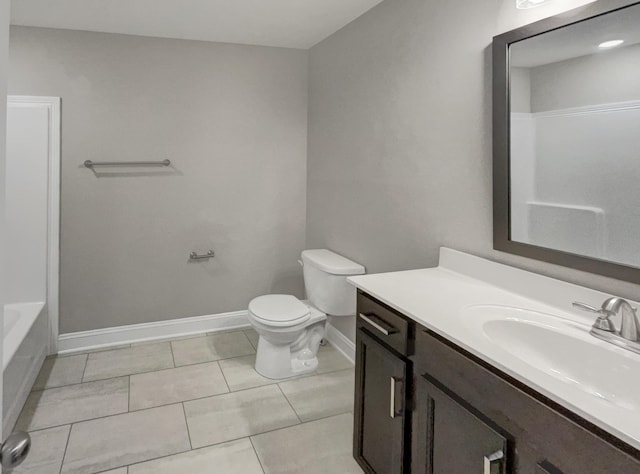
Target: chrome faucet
<point>628,336</point>
<point>629,319</point>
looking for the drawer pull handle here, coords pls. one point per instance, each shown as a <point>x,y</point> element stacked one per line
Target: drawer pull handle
<point>392,403</point>
<point>491,460</point>
<point>387,331</point>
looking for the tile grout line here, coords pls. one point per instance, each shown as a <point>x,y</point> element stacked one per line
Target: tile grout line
<point>101,417</point>
<point>66,447</point>
<point>169,368</point>
<point>173,356</point>
<point>130,345</point>
<point>160,341</point>
<point>255,347</point>
<point>289,402</point>
<point>186,452</point>
<point>256,453</point>
<point>273,430</point>
<point>324,417</point>
<point>164,457</point>
<point>160,370</point>
<point>186,422</point>
<point>254,434</point>
<point>226,441</point>
<point>80,421</point>
<point>299,424</point>
<point>180,366</point>
<point>87,352</point>
<point>315,374</point>
<point>86,362</point>
<point>127,466</point>
<point>182,401</point>
<point>133,373</point>
<point>108,416</point>
<point>153,407</point>
<point>226,382</point>
<point>311,374</point>
<point>247,338</point>
<point>217,361</point>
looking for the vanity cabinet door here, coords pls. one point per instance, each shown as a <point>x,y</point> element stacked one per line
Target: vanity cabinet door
<point>453,437</point>
<point>380,411</point>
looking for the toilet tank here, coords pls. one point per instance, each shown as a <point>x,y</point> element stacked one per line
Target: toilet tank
<point>325,279</point>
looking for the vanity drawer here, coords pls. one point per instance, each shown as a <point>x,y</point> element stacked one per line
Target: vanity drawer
<point>385,323</point>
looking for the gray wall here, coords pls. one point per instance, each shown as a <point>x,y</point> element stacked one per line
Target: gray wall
<point>399,151</point>
<point>233,121</point>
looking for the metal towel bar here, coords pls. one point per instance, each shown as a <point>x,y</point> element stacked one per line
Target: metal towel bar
<point>91,164</point>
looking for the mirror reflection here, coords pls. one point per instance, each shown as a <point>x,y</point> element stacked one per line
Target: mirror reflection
<point>575,138</point>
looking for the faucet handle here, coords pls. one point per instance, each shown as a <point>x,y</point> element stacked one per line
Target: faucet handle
<point>603,322</point>
<point>587,307</point>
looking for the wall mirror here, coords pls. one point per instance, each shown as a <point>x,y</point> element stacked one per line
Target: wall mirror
<point>567,140</point>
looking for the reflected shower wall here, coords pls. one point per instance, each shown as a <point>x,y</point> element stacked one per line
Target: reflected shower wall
<point>576,171</point>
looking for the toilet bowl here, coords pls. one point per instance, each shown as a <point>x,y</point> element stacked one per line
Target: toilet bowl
<point>291,330</point>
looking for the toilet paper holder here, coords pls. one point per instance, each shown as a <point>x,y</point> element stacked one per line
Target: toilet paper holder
<point>206,256</point>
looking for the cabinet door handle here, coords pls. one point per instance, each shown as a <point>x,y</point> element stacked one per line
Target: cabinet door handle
<point>491,460</point>
<point>387,331</point>
<point>392,397</point>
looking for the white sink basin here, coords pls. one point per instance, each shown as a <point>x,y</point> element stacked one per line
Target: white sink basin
<point>562,349</point>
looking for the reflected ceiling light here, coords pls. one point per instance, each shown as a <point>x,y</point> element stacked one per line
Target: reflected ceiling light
<point>524,4</point>
<point>610,44</point>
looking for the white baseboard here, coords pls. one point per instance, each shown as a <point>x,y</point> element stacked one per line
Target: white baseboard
<point>341,342</point>
<point>103,338</point>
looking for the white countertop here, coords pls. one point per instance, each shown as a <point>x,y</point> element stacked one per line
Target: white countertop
<point>435,297</point>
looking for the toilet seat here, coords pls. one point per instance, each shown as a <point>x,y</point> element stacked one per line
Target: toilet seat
<point>279,310</point>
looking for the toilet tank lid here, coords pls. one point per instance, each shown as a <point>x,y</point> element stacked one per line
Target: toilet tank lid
<point>331,262</point>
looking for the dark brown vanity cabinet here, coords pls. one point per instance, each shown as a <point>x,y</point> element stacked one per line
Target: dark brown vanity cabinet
<point>472,418</point>
<point>453,437</point>
<point>382,388</point>
<point>426,406</point>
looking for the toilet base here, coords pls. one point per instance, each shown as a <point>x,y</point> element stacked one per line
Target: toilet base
<point>282,361</point>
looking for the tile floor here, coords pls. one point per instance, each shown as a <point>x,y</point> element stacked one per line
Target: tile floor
<point>189,405</point>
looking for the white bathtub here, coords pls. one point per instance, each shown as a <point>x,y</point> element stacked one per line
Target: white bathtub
<point>25,347</point>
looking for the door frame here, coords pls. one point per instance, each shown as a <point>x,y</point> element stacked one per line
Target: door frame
<point>4,74</point>
<point>52,104</point>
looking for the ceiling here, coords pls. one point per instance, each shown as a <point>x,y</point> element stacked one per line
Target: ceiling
<point>579,39</point>
<point>284,23</point>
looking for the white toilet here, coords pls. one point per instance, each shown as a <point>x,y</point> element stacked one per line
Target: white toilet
<point>290,329</point>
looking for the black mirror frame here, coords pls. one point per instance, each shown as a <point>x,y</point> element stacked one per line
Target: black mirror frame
<point>501,148</point>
